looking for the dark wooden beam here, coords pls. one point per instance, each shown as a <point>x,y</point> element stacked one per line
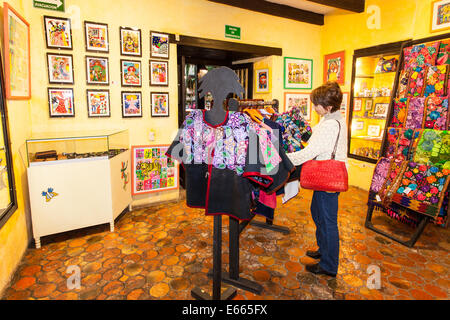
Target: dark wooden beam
<point>275,9</point>
<point>350,5</point>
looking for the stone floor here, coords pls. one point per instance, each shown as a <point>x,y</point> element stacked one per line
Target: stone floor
<point>163,252</point>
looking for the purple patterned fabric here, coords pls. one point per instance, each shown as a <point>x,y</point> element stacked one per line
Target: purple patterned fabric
<point>416,108</point>
<point>379,175</point>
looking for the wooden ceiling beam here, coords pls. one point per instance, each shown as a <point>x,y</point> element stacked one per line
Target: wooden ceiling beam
<point>357,6</point>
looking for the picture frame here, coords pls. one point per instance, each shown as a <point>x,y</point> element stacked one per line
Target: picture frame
<point>17,58</point>
<point>334,67</point>
<point>373,130</point>
<point>130,41</point>
<point>301,100</point>
<point>130,73</point>
<point>357,104</point>
<point>439,18</point>
<point>97,70</point>
<point>381,110</point>
<point>159,73</point>
<point>58,32</point>
<point>98,103</point>
<point>359,125</point>
<point>298,73</point>
<point>96,36</point>
<point>344,105</point>
<point>159,104</point>
<point>149,181</point>
<point>262,80</point>
<point>61,102</point>
<point>60,68</point>
<point>368,105</point>
<point>131,104</point>
<point>159,45</point>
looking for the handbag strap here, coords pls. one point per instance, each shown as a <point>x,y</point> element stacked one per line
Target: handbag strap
<point>333,155</point>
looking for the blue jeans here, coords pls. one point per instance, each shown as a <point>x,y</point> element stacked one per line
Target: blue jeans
<point>324,208</point>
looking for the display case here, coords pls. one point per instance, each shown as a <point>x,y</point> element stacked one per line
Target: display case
<point>193,74</point>
<point>373,78</point>
<point>77,180</point>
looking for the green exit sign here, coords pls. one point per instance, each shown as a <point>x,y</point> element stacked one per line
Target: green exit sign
<point>56,5</point>
<point>232,32</point>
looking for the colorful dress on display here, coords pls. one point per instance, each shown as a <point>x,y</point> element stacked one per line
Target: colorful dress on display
<point>436,112</point>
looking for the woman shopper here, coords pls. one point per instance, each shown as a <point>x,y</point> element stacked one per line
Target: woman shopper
<point>327,101</point>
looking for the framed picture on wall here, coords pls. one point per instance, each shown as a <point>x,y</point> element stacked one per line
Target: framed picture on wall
<point>381,110</point>
<point>159,103</point>
<point>131,104</point>
<point>298,73</point>
<point>159,74</point>
<point>98,103</point>
<point>373,130</point>
<point>131,73</point>
<point>60,68</point>
<point>440,16</point>
<point>334,67</point>
<point>369,105</point>
<point>262,80</point>
<point>97,70</point>
<point>357,104</point>
<point>359,125</point>
<point>58,33</point>
<point>96,36</point>
<point>130,42</point>
<point>17,58</point>
<point>298,100</point>
<point>60,102</point>
<point>159,45</point>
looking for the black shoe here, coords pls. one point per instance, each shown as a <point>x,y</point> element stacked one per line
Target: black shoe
<point>313,254</point>
<point>316,269</point>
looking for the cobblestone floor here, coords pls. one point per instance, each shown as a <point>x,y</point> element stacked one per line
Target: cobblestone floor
<point>163,252</point>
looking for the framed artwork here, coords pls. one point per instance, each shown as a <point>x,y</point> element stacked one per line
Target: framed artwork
<point>97,70</point>
<point>262,80</point>
<point>440,15</point>
<point>130,42</point>
<point>152,170</point>
<point>369,105</point>
<point>381,110</point>
<point>159,103</point>
<point>344,105</point>
<point>334,67</point>
<point>373,130</point>
<point>298,73</point>
<point>159,74</point>
<point>357,104</point>
<point>58,33</point>
<point>159,45</point>
<point>300,100</point>
<point>60,102</point>
<point>60,68</point>
<point>359,125</point>
<point>131,104</point>
<point>98,103</point>
<point>96,36</point>
<point>131,73</point>
<point>17,58</point>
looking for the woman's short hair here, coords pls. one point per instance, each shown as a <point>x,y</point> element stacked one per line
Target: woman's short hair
<point>329,94</point>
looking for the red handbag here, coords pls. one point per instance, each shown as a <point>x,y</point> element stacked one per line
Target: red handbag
<point>325,175</point>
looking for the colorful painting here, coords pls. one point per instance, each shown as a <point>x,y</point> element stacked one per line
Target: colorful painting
<point>159,74</point>
<point>262,80</point>
<point>381,110</point>
<point>130,42</point>
<point>60,102</point>
<point>58,33</point>
<point>131,104</point>
<point>60,68</point>
<point>98,103</point>
<point>159,104</point>
<point>302,101</point>
<point>131,73</point>
<point>298,73</point>
<point>159,45</point>
<point>17,54</point>
<point>334,67</point>
<point>97,70</point>
<point>440,16</point>
<point>96,36</point>
<point>152,170</point>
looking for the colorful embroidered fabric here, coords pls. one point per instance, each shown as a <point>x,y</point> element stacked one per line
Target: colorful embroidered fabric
<point>442,218</point>
<point>421,55</point>
<point>433,148</point>
<point>305,129</point>
<point>414,117</point>
<point>416,82</point>
<point>436,111</point>
<point>422,188</point>
<point>404,143</point>
<point>407,58</point>
<point>399,112</point>
<point>396,168</point>
<point>297,130</point>
<point>392,138</point>
<point>402,90</point>
<point>269,152</point>
<point>379,175</point>
<point>443,56</point>
<point>435,81</point>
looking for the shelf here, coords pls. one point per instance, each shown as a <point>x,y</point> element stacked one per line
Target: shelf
<point>373,75</point>
<point>376,139</point>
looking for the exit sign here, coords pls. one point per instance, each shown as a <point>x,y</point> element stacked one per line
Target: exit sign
<point>56,5</point>
<point>232,32</point>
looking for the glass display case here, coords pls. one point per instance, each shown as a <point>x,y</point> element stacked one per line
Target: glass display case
<point>193,74</point>
<point>373,77</point>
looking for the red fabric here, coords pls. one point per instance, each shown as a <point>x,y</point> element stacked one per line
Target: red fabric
<point>269,200</point>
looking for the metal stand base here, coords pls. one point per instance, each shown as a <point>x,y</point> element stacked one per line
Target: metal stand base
<point>240,283</point>
<point>272,227</point>
<point>200,294</point>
